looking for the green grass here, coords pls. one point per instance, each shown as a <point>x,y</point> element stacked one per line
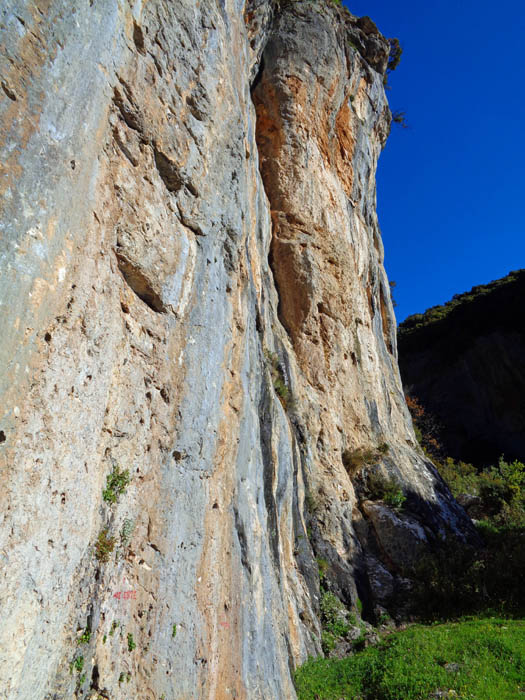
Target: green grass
<point>480,659</point>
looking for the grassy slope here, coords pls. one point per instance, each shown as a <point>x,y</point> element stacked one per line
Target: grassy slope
<point>412,665</point>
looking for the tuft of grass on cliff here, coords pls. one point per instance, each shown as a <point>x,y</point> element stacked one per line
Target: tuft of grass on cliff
<point>474,659</point>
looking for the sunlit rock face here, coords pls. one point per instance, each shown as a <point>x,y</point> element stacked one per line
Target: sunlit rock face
<point>193,291</point>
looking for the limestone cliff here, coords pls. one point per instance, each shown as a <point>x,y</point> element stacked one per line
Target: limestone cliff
<point>464,361</point>
<point>193,292</point>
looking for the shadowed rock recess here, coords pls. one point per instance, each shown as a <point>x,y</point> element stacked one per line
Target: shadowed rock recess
<point>193,301</point>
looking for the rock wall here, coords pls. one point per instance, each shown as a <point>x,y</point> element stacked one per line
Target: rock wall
<point>192,290</point>
<point>464,361</point>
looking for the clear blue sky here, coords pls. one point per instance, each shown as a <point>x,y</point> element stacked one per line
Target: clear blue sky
<point>451,188</point>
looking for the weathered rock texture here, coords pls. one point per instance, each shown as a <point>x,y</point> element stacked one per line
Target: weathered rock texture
<point>173,249</point>
<point>465,362</point>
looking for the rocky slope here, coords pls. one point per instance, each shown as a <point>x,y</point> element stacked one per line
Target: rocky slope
<point>464,361</point>
<point>193,291</point>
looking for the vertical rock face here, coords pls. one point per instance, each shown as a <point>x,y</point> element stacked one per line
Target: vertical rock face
<point>192,290</point>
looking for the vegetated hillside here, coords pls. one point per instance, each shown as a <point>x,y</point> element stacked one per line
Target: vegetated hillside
<point>209,472</point>
<point>465,363</point>
<point>472,659</point>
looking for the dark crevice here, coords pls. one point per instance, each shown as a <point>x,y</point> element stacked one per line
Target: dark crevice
<point>95,677</point>
<point>128,115</point>
<point>304,555</point>
<point>8,91</point>
<point>197,112</point>
<point>243,543</point>
<point>258,76</point>
<point>138,38</point>
<point>140,284</point>
<point>168,171</point>
<point>265,427</point>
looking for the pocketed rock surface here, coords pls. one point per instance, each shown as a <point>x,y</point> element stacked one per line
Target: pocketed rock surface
<point>192,289</point>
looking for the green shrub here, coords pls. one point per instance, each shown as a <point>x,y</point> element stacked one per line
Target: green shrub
<point>77,664</point>
<point>500,489</point>
<point>328,641</point>
<point>104,546</point>
<point>84,637</point>
<point>383,488</point>
<point>81,680</point>
<point>322,565</point>
<point>399,117</point>
<point>395,54</point>
<point>333,620</point>
<point>174,631</point>
<point>394,496</point>
<point>131,642</point>
<point>116,484</point>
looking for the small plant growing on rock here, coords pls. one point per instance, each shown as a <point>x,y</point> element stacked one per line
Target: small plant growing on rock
<point>278,379</point>
<point>116,484</point>
<point>124,677</point>
<point>333,620</point>
<point>354,460</point>
<point>383,488</point>
<point>114,626</point>
<point>131,642</point>
<point>322,565</point>
<point>127,530</point>
<point>84,637</point>
<point>310,502</point>
<point>104,546</point>
<point>77,664</point>
<point>394,56</point>
<point>398,117</point>
<point>174,631</point>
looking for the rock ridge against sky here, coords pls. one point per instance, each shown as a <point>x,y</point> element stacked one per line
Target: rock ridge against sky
<point>198,337</point>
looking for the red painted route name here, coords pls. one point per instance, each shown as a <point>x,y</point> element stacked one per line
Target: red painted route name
<point>126,595</point>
